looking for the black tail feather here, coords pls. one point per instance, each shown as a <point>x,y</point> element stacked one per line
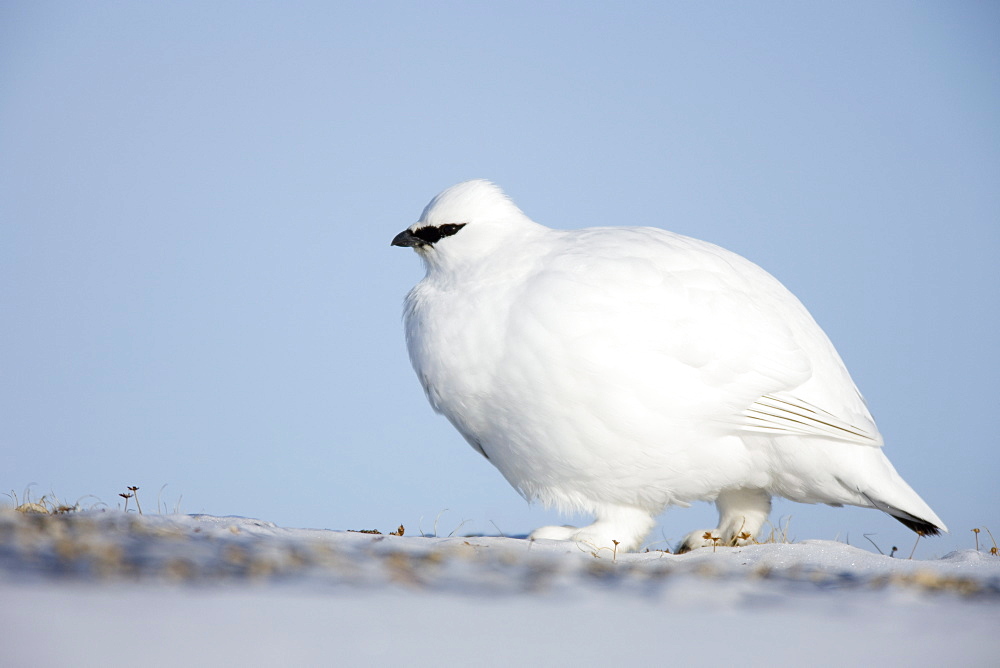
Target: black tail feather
<point>911,522</point>
<point>917,525</point>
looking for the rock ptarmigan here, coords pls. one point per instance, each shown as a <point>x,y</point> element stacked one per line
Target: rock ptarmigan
<point>620,370</point>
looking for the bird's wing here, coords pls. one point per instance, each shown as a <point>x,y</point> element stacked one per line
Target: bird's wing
<point>823,401</point>
<point>741,340</point>
<point>784,413</point>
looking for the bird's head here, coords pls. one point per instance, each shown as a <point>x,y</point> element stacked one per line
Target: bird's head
<point>464,224</point>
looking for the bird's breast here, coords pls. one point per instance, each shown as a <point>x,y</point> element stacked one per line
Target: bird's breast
<point>455,339</point>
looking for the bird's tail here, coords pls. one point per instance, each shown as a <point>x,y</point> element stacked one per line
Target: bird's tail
<point>922,521</point>
<point>877,484</point>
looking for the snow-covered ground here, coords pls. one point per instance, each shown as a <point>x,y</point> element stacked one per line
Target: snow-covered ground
<point>108,588</point>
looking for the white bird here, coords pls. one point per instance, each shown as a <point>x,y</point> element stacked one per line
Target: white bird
<point>616,371</point>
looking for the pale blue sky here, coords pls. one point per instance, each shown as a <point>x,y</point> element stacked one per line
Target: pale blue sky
<point>197,199</point>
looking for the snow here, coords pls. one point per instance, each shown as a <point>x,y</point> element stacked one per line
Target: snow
<point>103,588</point>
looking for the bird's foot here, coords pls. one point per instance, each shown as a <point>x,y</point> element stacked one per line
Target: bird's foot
<point>565,532</point>
<point>587,537</point>
<point>618,530</point>
<point>713,538</point>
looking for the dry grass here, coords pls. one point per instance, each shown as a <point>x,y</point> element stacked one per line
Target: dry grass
<point>777,534</point>
<point>993,550</point>
<point>50,504</point>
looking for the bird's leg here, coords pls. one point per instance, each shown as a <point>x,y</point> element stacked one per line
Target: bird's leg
<point>742,512</point>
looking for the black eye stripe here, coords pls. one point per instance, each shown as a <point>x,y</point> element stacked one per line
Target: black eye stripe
<point>434,233</point>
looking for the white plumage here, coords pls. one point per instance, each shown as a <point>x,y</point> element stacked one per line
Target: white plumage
<point>620,370</point>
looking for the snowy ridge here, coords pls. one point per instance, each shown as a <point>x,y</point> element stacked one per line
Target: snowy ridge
<point>201,548</point>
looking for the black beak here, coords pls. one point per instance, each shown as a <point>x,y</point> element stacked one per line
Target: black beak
<point>407,239</point>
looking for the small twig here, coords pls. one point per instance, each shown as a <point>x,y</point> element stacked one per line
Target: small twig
<point>873,543</point>
<point>614,555</point>
<point>784,529</point>
<point>920,534</point>
<point>976,531</point>
<point>498,529</point>
<point>135,492</point>
<point>993,550</point>
<point>126,497</point>
<point>158,495</point>
<point>739,534</point>
<point>436,522</point>
<point>463,523</point>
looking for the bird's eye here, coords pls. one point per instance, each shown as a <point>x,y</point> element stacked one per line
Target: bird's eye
<point>434,233</point>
